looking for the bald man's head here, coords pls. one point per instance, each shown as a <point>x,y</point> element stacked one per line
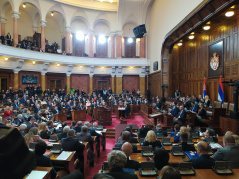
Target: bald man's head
<point>127,149</point>
<point>202,148</point>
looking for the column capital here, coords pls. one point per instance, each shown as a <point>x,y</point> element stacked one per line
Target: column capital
<point>112,75</point>
<point>3,20</point>
<point>34,28</point>
<point>68,28</point>
<point>15,14</point>
<point>90,32</point>
<point>43,23</point>
<point>119,75</point>
<point>43,72</point>
<point>113,34</point>
<point>16,70</point>
<point>68,74</point>
<point>91,74</point>
<point>142,75</point>
<point>120,32</point>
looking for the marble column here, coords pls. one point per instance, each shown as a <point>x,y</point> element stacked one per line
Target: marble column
<point>113,83</point>
<point>43,81</point>
<point>142,47</point>
<point>91,83</point>
<point>43,41</point>
<point>3,22</point>
<point>15,17</point>
<point>112,37</point>
<point>119,45</point>
<point>68,40</point>
<point>68,82</point>
<point>91,43</point>
<point>118,84</point>
<point>15,80</point>
<point>142,85</point>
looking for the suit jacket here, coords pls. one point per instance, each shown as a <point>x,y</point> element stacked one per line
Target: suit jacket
<point>132,164</point>
<point>174,111</point>
<point>157,143</point>
<point>195,108</point>
<point>44,161</point>
<point>93,132</point>
<point>45,134</point>
<point>62,135</point>
<point>202,162</point>
<point>77,129</point>
<point>203,113</point>
<point>182,116</point>
<point>230,154</point>
<point>187,147</point>
<point>186,105</point>
<point>84,137</point>
<point>15,105</point>
<point>118,174</point>
<point>161,131</point>
<point>72,144</point>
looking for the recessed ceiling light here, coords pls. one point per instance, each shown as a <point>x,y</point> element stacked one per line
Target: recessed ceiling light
<point>33,62</point>
<point>6,58</point>
<point>58,64</point>
<point>52,14</point>
<point>130,40</point>
<point>191,37</point>
<point>207,27</point>
<point>24,5</point>
<point>102,67</point>
<point>229,13</point>
<point>81,66</point>
<point>180,44</point>
<point>131,67</point>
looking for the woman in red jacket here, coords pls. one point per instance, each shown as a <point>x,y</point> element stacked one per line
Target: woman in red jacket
<point>8,112</point>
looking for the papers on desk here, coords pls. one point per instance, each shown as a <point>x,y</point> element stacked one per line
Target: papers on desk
<point>37,174</point>
<point>215,145</point>
<point>64,155</point>
<point>99,132</point>
<point>121,109</point>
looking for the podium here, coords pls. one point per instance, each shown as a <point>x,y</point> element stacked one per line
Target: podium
<point>103,116</point>
<point>78,115</point>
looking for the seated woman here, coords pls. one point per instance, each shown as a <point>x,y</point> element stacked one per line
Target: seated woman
<point>161,158</point>
<point>32,136</point>
<point>201,117</point>
<point>8,112</point>
<point>151,139</point>
<point>207,101</point>
<point>41,159</point>
<point>182,129</point>
<point>44,133</point>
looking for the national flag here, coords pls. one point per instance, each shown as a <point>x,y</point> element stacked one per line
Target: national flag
<point>204,89</point>
<point>220,91</point>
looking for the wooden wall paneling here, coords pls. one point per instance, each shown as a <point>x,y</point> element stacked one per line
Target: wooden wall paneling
<point>154,84</point>
<point>80,81</point>
<point>130,82</point>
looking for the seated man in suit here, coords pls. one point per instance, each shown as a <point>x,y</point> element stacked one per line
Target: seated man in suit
<point>56,110</point>
<point>78,127</point>
<point>158,105</point>
<point>194,107</point>
<point>92,130</point>
<point>174,111</point>
<point>17,119</point>
<point>210,133</point>
<point>201,116</point>
<point>184,140</point>
<point>186,104</point>
<point>229,153</point>
<point>41,159</point>
<point>204,161</point>
<point>117,160</point>
<point>159,130</point>
<point>84,136</point>
<point>70,143</point>
<point>181,117</point>
<point>3,122</point>
<point>126,138</point>
<point>127,149</point>
<point>64,132</point>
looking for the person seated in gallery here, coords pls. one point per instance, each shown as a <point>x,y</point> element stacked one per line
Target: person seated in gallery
<point>160,130</point>
<point>204,161</point>
<point>151,139</point>
<point>41,159</point>
<point>126,137</point>
<point>180,118</point>
<point>194,107</point>
<point>201,116</point>
<point>117,160</point>
<point>174,111</point>
<point>184,140</point>
<point>127,149</point>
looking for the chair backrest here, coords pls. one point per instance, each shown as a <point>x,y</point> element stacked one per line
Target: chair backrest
<point>217,104</point>
<point>225,105</point>
<point>231,107</point>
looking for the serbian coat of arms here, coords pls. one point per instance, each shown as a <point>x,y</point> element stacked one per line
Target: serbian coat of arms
<point>214,61</point>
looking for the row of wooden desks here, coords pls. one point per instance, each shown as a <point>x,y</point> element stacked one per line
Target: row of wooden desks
<point>45,169</point>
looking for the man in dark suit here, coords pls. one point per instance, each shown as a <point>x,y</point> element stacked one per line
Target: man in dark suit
<point>55,110</point>
<point>175,109</point>
<point>181,117</point>
<point>127,149</point>
<point>117,160</point>
<point>186,104</point>
<point>70,143</point>
<point>41,159</point>
<point>158,105</point>
<point>64,133</point>
<point>3,122</point>
<point>126,138</point>
<point>159,130</point>
<point>229,153</point>
<point>78,127</point>
<point>184,140</point>
<point>84,136</point>
<point>204,161</point>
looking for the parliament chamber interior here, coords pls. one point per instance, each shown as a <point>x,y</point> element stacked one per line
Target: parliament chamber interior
<point>119,89</point>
